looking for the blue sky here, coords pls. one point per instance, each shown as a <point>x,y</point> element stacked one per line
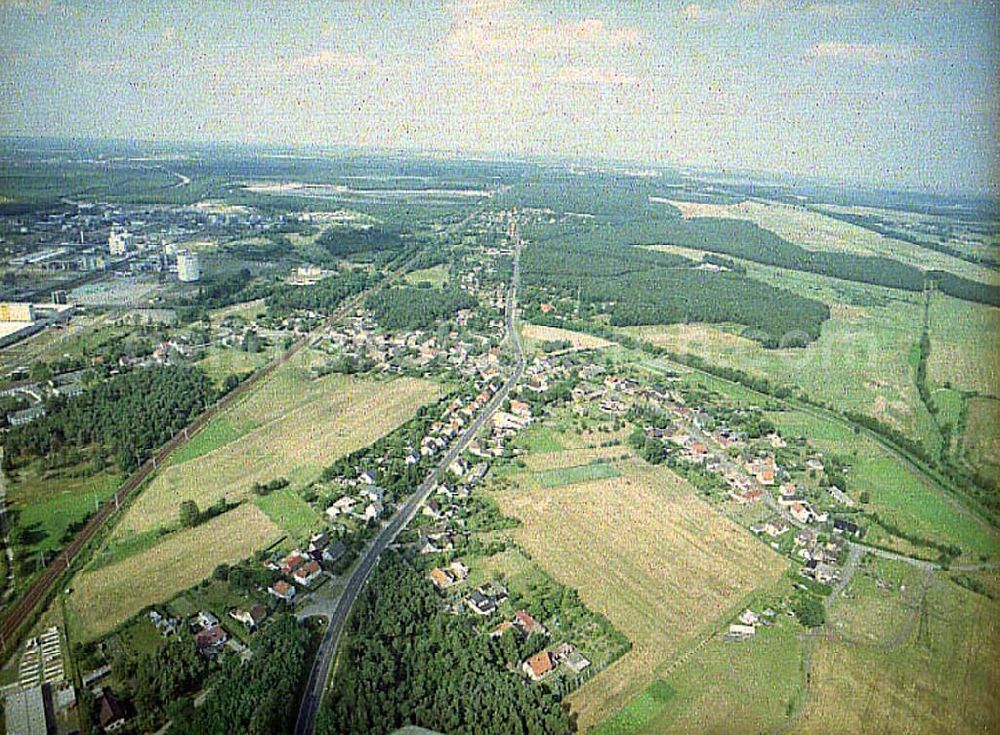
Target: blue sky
<point>892,92</point>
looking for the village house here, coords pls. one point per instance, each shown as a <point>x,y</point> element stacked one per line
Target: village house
<point>502,628</point>
<point>775,527</point>
<point>210,640</point>
<point>111,712</point>
<point>307,573</point>
<point>537,666</point>
<point>292,562</point>
<point>441,578</point>
<point>250,618</point>
<point>481,604</point>
<point>527,623</point>
<point>282,590</point>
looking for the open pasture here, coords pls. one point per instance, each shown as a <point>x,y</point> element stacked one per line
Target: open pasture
<point>935,670</point>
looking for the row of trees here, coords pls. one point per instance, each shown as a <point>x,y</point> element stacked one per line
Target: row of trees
<point>129,414</point>
<point>405,661</point>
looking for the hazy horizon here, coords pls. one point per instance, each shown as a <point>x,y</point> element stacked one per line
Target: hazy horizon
<point>885,93</point>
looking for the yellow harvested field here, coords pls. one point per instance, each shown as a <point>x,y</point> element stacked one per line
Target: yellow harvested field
<point>943,679</point>
<point>816,231</point>
<point>649,555</point>
<point>692,338</point>
<point>301,425</point>
<point>579,340</point>
<point>107,596</point>
<point>540,461</point>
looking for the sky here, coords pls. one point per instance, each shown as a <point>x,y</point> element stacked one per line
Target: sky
<point>885,92</point>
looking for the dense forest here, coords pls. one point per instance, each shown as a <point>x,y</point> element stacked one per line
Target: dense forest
<point>324,296</point>
<point>412,307</point>
<point>129,415</point>
<point>260,696</point>
<point>744,239</point>
<point>343,242</point>
<point>406,661</point>
<point>637,286</point>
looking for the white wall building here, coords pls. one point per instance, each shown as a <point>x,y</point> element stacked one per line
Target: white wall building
<point>119,242</point>
<point>188,266</point>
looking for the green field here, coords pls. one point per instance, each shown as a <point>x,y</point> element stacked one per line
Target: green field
<point>47,507</point>
<point>724,688</point>
<point>540,438</point>
<point>437,276</point>
<point>218,432</point>
<point>286,509</point>
<point>897,492</point>
<point>572,475</point>
<point>221,362</point>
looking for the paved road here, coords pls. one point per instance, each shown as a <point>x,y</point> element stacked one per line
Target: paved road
<point>313,696</point>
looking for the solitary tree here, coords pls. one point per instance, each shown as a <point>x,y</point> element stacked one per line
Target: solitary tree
<point>189,513</point>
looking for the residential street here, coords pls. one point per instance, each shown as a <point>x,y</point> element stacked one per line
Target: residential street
<point>319,674</point>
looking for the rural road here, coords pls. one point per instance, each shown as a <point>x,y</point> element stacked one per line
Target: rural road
<point>318,675</point>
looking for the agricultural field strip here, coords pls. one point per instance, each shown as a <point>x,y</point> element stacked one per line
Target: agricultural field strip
<point>109,595</point>
<point>657,602</point>
<point>310,434</point>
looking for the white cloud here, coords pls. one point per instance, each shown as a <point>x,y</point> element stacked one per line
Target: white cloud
<point>318,62</point>
<point>594,76</point>
<point>492,31</point>
<point>865,53</point>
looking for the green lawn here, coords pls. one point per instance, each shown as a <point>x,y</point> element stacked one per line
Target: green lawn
<point>539,438</point>
<point>573,475</point>
<point>221,362</point>
<point>289,511</point>
<point>217,433</point>
<point>436,276</point>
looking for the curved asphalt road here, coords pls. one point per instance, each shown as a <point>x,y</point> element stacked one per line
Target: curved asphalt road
<point>313,695</point>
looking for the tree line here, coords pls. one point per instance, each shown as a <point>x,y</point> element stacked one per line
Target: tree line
<point>129,415</point>
<point>743,239</point>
